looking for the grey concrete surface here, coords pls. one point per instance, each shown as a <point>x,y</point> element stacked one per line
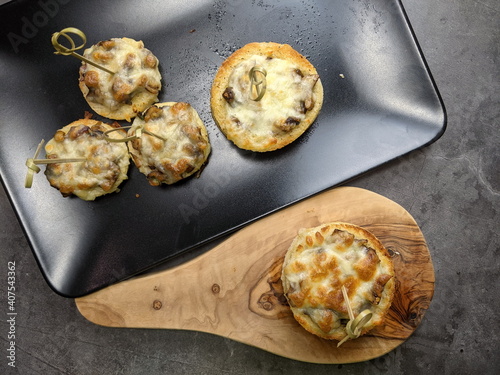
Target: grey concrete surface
<point>452,188</point>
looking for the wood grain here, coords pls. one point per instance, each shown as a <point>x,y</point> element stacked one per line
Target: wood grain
<point>234,290</point>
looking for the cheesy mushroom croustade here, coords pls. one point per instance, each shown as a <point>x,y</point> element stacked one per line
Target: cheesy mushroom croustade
<point>291,101</point>
<point>176,147</point>
<point>320,261</point>
<point>105,164</point>
<point>134,86</point>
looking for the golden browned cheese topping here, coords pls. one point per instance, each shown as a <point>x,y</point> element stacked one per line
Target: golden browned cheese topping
<point>177,144</point>
<point>134,86</point>
<point>105,166</point>
<point>320,261</point>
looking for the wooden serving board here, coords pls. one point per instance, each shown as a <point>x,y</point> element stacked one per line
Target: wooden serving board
<point>234,290</point>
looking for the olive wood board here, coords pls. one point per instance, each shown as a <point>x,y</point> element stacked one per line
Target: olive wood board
<point>234,290</point>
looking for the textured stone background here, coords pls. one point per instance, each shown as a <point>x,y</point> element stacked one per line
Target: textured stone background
<point>452,188</point>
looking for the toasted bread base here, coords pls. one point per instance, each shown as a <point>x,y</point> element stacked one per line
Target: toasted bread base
<point>185,147</point>
<point>133,87</point>
<point>243,137</point>
<point>106,164</point>
<point>312,283</point>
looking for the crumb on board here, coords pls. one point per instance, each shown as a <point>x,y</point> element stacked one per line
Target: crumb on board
<point>137,195</point>
<point>341,75</point>
<point>192,31</point>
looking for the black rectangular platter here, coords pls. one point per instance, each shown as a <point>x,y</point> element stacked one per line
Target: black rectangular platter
<point>380,103</point>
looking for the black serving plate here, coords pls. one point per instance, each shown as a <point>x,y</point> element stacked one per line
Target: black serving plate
<point>380,103</point>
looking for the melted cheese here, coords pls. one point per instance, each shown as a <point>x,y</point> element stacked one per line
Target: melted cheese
<point>317,267</point>
<point>182,152</point>
<point>103,170</point>
<point>332,279</point>
<point>285,93</point>
<point>136,75</point>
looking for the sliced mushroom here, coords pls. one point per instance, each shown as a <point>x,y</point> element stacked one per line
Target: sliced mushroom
<point>288,125</point>
<point>228,95</point>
